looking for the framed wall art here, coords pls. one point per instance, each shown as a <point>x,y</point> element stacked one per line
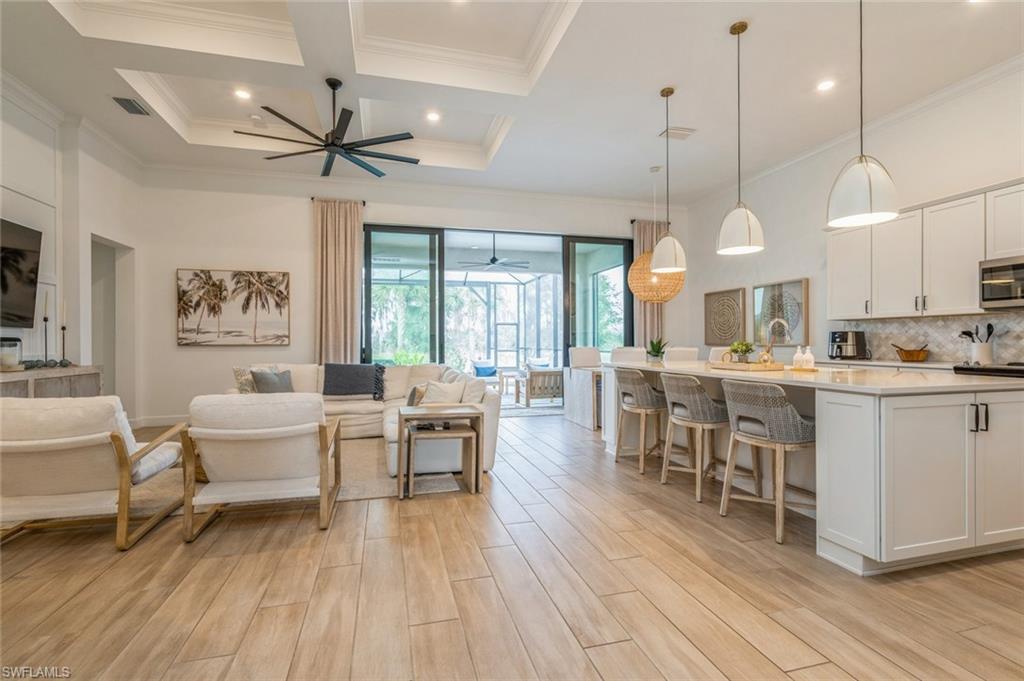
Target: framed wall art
<point>233,307</point>
<point>780,313</point>
<point>725,319</point>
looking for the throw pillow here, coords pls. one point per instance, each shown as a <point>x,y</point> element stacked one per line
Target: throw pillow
<point>475,389</point>
<point>243,380</point>
<point>484,369</point>
<point>443,393</point>
<point>269,381</point>
<point>416,395</point>
<point>537,366</point>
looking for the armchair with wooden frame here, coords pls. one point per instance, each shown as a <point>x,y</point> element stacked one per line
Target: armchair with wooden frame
<point>539,381</point>
<point>258,447</point>
<point>68,462</point>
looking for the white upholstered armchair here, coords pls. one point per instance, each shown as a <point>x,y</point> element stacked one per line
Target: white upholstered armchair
<point>68,461</point>
<point>259,447</point>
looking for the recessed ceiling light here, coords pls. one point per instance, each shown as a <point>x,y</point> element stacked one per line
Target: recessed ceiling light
<point>474,247</point>
<point>243,94</point>
<point>826,85</point>
<point>255,117</point>
<point>433,116</point>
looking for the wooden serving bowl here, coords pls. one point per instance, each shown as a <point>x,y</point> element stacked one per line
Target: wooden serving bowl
<point>911,355</point>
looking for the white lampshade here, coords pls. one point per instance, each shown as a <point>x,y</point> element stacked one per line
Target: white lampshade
<point>863,194</point>
<point>668,256</point>
<point>740,233</point>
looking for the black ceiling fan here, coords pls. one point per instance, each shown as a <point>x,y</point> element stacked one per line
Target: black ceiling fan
<point>495,263</point>
<point>333,142</point>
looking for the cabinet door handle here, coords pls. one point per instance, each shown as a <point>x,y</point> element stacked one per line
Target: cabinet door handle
<point>985,429</point>
<point>977,418</point>
<point>916,303</point>
<point>865,307</point>
<point>924,302</point>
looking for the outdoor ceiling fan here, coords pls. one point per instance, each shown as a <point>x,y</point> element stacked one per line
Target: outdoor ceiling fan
<point>333,142</point>
<point>495,263</point>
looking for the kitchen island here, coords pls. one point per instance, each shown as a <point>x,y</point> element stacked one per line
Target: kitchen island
<point>909,466</point>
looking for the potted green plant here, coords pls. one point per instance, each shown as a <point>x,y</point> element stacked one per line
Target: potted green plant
<point>656,348</point>
<point>741,350</point>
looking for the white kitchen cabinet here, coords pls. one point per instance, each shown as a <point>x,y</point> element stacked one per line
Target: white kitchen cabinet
<point>953,245</point>
<point>927,474</point>
<point>847,470</point>
<point>1004,222</point>
<point>999,468</point>
<point>849,273</point>
<point>896,267</point>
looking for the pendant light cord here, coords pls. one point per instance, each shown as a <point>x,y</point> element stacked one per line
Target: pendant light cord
<point>860,7</point>
<point>739,144</point>
<point>668,221</point>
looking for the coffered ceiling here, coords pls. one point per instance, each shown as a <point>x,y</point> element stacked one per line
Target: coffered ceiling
<point>557,97</point>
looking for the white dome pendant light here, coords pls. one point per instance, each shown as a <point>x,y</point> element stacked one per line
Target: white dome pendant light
<point>863,194</point>
<point>741,231</point>
<point>668,256</point>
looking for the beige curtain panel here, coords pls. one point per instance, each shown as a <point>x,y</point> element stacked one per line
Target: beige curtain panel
<point>339,269</point>
<point>647,317</point>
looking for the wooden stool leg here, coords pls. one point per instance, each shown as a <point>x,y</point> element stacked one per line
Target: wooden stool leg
<point>690,440</point>
<point>643,439</point>
<point>659,434</point>
<point>730,466</point>
<point>665,458</point>
<point>780,492</point>
<point>698,469</point>
<point>712,462</point>
<point>755,466</point>
<point>618,434</point>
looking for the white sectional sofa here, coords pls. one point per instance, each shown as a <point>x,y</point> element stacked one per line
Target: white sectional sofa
<point>366,418</point>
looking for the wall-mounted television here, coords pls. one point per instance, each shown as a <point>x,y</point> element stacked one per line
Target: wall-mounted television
<point>19,272</point>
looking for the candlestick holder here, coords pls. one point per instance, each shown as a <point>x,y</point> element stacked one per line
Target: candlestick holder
<point>63,343</point>
<point>46,338</point>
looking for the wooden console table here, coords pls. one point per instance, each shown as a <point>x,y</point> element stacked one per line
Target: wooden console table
<point>74,381</point>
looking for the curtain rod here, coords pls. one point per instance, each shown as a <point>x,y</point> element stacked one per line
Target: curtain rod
<point>314,198</point>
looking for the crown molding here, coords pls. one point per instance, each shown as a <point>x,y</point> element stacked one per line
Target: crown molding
<point>105,137</point>
<point>410,60</point>
<point>194,17</point>
<point>1014,66</point>
<point>366,183</point>
<point>31,101</point>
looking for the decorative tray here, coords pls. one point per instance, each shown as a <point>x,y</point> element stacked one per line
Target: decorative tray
<point>747,366</point>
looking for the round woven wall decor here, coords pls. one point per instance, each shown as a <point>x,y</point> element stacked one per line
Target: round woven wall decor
<point>650,287</point>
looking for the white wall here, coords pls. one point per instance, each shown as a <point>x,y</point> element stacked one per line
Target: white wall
<point>196,219</point>
<point>961,139</point>
<point>30,196</point>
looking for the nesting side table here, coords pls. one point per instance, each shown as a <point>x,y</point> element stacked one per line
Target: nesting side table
<point>471,434</point>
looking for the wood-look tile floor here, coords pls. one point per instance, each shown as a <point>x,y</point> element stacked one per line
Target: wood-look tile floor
<point>569,566</point>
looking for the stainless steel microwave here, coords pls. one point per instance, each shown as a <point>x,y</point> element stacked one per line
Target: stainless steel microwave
<point>1001,283</point>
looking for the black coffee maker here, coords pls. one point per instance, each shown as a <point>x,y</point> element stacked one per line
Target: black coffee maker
<point>847,345</point>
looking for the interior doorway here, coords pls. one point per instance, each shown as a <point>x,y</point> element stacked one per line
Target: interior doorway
<point>104,313</point>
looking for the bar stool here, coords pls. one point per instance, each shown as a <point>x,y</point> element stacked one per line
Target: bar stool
<point>691,407</point>
<point>761,415</point>
<point>637,396</point>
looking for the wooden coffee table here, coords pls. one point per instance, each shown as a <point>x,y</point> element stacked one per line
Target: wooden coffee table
<point>472,434</point>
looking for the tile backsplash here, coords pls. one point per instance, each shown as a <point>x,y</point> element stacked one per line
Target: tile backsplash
<point>942,335</point>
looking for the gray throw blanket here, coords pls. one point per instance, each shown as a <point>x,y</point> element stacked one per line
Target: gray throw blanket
<point>354,379</point>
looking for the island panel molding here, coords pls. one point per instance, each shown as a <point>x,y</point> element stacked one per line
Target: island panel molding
<point>725,318</point>
<point>233,307</point>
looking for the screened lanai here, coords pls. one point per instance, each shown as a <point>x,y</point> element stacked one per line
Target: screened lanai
<point>459,296</point>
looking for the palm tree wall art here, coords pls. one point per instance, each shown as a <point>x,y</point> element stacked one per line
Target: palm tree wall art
<point>251,307</point>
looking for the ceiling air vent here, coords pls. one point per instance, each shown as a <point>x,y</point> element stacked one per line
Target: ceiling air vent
<point>678,133</point>
<point>132,106</point>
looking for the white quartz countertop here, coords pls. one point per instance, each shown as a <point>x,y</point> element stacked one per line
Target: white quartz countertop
<point>880,381</point>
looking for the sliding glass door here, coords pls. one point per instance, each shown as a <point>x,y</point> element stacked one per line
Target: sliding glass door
<point>402,288</point>
<point>599,305</point>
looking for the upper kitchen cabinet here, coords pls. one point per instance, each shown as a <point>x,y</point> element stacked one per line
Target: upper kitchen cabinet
<point>1004,222</point>
<point>953,245</point>
<point>849,273</point>
<point>896,267</point>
